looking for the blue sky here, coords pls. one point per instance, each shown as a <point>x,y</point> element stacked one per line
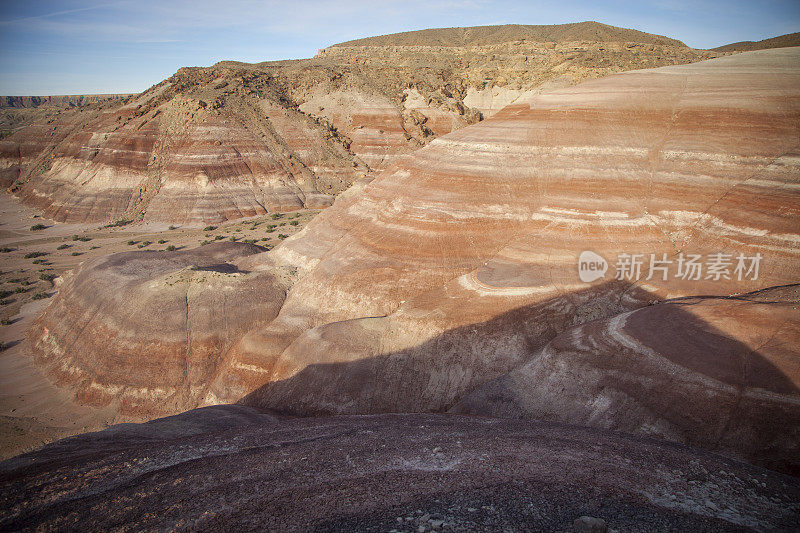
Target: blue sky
<point>77,46</point>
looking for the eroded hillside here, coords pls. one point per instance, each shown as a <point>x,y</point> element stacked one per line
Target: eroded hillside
<point>236,140</point>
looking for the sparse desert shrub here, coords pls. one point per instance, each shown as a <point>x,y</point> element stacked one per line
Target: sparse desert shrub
<point>39,296</point>
<point>47,277</point>
<point>282,236</point>
<point>5,294</point>
<point>294,223</point>
<point>131,243</point>
<point>282,224</point>
<point>34,255</point>
<point>162,241</point>
<point>20,290</point>
<point>62,246</point>
<point>94,247</point>
<point>6,250</point>
<point>173,227</point>
<point>209,228</point>
<point>80,238</point>
<point>37,227</point>
<point>118,223</point>
<point>75,254</point>
<point>5,302</point>
<point>171,248</point>
<point>276,216</point>
<point>233,238</point>
<point>5,322</point>
<point>219,237</point>
<point>145,243</point>
<point>39,262</point>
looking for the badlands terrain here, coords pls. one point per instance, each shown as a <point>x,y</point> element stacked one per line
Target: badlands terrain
<point>370,258</point>
<point>237,140</point>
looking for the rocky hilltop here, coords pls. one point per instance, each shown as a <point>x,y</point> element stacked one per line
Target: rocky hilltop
<point>450,282</point>
<point>782,41</point>
<point>489,35</point>
<point>236,140</point>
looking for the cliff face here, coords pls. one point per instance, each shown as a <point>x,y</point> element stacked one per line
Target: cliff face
<point>454,274</point>
<point>234,140</point>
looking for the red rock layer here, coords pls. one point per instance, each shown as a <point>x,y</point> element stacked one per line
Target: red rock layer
<point>180,160</point>
<point>458,265</point>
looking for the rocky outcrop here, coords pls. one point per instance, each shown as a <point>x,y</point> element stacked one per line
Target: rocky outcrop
<point>458,266</point>
<point>246,470</point>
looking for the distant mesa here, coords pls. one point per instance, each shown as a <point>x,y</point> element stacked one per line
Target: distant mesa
<point>19,102</point>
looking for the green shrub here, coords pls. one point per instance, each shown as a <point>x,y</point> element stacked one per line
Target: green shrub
<point>118,223</point>
<point>47,277</point>
<point>173,227</point>
<point>294,223</point>
<point>131,243</point>
<point>75,254</point>
<point>39,296</point>
<point>171,248</point>
<point>276,216</point>
<point>162,241</point>
<point>33,255</point>
<point>6,250</point>
<point>80,238</point>
<point>209,228</point>
<point>37,227</point>
<point>282,236</point>
<point>62,246</point>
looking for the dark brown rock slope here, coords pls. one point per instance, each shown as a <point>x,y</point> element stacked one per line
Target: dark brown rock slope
<point>233,468</point>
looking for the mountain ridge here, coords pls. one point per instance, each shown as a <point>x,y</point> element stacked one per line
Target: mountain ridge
<point>487,35</point>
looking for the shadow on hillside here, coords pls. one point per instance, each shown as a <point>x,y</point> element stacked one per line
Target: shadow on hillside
<point>437,374</point>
